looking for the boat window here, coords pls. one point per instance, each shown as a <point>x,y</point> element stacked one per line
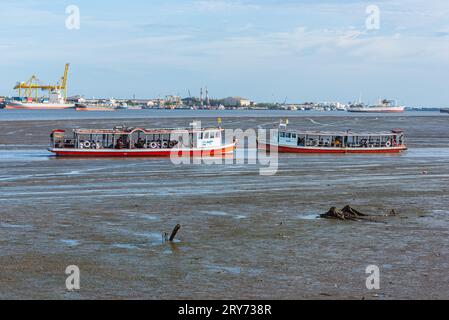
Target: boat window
<point>282,135</point>
<point>288,135</point>
<point>294,135</point>
<point>206,135</point>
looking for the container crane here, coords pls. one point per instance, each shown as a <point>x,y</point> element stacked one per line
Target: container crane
<point>31,87</point>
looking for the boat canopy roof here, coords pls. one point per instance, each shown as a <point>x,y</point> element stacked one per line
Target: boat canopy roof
<point>348,133</point>
<point>128,131</point>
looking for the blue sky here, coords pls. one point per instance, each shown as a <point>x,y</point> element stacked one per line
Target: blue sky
<point>265,50</point>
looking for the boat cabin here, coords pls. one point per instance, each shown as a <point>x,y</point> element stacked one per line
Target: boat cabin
<point>137,138</point>
<point>346,139</point>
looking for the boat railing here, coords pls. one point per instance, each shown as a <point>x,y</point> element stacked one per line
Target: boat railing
<point>363,143</point>
<point>63,143</point>
<point>120,143</point>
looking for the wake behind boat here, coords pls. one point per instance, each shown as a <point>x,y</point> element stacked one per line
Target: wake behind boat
<point>296,141</point>
<point>140,142</point>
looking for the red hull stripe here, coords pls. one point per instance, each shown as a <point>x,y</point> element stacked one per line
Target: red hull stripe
<point>43,107</point>
<point>282,149</point>
<point>147,153</point>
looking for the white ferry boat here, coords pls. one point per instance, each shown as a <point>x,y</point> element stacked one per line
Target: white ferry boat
<point>297,141</point>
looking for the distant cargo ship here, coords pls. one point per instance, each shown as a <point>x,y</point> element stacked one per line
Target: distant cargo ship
<point>385,106</point>
<point>444,110</point>
<point>55,102</point>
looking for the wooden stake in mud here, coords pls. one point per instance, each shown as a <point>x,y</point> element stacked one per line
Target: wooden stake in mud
<point>174,232</point>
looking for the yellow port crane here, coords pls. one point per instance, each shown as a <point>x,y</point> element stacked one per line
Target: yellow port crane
<point>30,88</point>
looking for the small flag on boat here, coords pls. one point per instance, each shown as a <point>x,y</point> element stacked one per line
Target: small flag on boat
<point>219,121</point>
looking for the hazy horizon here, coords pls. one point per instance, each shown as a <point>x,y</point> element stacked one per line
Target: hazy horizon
<point>263,50</point>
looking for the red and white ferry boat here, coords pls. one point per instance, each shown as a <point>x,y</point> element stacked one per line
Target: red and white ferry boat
<point>294,141</point>
<point>140,142</point>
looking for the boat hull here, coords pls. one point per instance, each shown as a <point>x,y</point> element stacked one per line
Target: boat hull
<point>37,106</point>
<point>107,153</point>
<point>378,110</point>
<point>316,150</point>
<point>94,109</point>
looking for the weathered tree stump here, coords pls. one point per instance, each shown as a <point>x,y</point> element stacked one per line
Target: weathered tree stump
<point>392,213</point>
<point>351,214</point>
<point>335,213</point>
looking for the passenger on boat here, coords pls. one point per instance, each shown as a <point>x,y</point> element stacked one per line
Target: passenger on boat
<point>395,142</point>
<point>140,144</point>
<point>121,143</point>
<point>337,142</point>
<point>364,143</point>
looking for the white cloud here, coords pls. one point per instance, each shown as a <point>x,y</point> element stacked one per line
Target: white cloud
<point>344,45</point>
<point>223,6</point>
<point>210,37</point>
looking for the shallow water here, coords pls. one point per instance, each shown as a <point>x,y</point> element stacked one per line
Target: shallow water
<point>70,114</point>
<point>243,235</point>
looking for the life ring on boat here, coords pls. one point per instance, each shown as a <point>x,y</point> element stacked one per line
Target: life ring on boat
<point>165,144</point>
<point>388,144</point>
<point>364,143</point>
<point>86,145</point>
<point>171,144</point>
<point>153,145</point>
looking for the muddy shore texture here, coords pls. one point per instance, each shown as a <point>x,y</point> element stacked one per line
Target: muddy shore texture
<point>243,235</point>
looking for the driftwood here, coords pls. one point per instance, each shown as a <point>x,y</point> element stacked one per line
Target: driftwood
<point>351,214</point>
<point>165,237</point>
<point>174,232</point>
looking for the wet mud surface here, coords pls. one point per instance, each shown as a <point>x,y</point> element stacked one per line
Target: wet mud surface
<point>243,235</point>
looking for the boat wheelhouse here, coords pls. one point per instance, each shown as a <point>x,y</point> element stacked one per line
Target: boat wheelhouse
<point>293,141</point>
<point>140,142</point>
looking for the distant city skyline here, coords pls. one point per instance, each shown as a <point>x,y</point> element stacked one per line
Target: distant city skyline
<point>263,50</point>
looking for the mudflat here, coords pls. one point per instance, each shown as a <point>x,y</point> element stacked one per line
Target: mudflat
<point>243,235</point>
